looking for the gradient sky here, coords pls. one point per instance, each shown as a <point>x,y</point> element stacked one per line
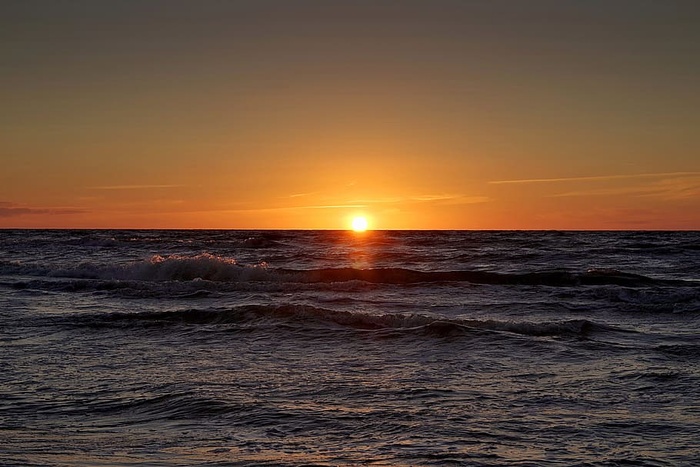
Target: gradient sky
<point>493,114</point>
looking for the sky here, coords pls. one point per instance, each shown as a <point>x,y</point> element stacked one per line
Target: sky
<point>283,114</point>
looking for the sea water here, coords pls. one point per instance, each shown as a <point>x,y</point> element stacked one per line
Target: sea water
<point>134,348</point>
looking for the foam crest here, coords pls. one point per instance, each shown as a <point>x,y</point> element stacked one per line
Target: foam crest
<point>171,268</point>
<point>209,267</point>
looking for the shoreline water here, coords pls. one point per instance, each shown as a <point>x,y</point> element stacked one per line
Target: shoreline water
<point>140,348</point>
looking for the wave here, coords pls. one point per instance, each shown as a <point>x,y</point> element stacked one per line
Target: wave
<point>304,317</point>
<point>408,276</point>
<point>676,300</point>
<point>683,351</point>
<point>214,268</point>
<point>146,408</point>
<point>204,266</point>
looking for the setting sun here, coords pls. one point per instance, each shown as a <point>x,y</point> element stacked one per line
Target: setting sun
<point>359,224</point>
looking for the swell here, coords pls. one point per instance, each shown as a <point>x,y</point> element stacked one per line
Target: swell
<point>214,268</point>
<point>175,406</point>
<point>408,276</point>
<point>316,320</point>
<point>190,407</point>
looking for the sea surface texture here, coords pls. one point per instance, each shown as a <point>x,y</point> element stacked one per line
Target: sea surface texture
<point>302,348</point>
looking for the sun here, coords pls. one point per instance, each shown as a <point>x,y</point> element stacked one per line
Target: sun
<point>359,223</point>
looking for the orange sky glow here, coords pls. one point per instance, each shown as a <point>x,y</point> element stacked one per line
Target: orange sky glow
<point>302,115</point>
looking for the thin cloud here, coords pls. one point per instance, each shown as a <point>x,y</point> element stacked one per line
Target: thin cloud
<point>441,197</point>
<point>301,195</point>
<point>635,190</point>
<point>676,189</point>
<point>370,203</point>
<point>331,206</point>
<point>594,178</point>
<point>670,188</point>
<point>438,199</point>
<point>293,208</point>
<point>133,187</point>
<point>12,210</point>
<point>464,200</point>
<point>446,199</point>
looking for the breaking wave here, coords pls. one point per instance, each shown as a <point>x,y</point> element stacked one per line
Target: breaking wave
<point>223,269</point>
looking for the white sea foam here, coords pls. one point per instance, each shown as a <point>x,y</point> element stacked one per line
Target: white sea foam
<point>204,266</point>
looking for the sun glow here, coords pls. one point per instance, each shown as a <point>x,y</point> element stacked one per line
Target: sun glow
<point>359,223</point>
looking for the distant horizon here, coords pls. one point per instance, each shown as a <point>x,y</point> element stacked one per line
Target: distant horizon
<point>368,231</point>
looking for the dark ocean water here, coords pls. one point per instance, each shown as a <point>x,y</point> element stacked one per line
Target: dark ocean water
<point>159,348</point>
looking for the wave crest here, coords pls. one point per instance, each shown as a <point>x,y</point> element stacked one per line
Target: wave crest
<point>309,318</point>
<point>204,266</point>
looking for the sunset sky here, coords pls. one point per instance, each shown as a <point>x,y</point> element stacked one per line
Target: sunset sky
<point>491,114</point>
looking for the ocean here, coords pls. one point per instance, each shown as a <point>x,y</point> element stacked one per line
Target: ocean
<point>323,348</point>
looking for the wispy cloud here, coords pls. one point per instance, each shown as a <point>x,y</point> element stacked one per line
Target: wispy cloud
<point>301,195</point>
<point>454,199</point>
<point>372,203</point>
<point>668,188</point>
<point>437,199</point>
<point>440,197</point>
<point>11,210</point>
<point>679,188</point>
<point>291,208</point>
<point>633,190</point>
<point>332,206</point>
<point>133,187</point>
<point>595,178</point>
